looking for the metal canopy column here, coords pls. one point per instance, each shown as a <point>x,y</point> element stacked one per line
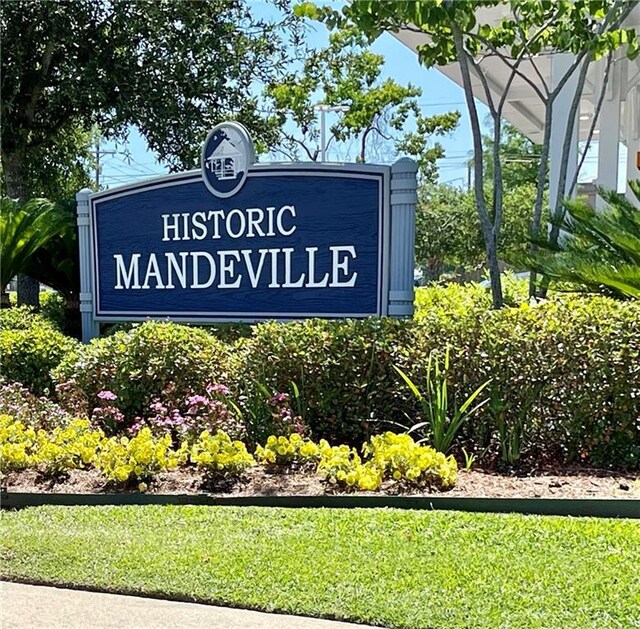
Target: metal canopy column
<point>609,136</point>
<point>633,139</point>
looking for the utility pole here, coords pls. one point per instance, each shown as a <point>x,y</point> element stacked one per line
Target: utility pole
<point>99,154</point>
<point>323,108</point>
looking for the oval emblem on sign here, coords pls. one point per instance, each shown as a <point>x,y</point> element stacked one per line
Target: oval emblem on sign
<point>226,158</point>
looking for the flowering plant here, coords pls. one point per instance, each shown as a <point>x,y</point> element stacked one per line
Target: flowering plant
<point>184,418</point>
<point>218,454</point>
<point>39,412</point>
<point>289,450</point>
<point>399,457</point>
<point>107,416</point>
<point>266,412</point>
<point>122,459</point>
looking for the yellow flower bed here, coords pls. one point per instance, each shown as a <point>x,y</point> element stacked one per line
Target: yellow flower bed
<point>123,459</point>
<point>218,454</point>
<point>385,457</point>
<point>342,465</point>
<point>286,450</point>
<point>71,447</point>
<point>399,457</point>
<point>17,444</point>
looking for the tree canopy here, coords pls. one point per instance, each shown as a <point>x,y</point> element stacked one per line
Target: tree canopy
<point>373,112</point>
<point>519,157</point>
<point>459,32</point>
<point>449,234</point>
<point>173,69</point>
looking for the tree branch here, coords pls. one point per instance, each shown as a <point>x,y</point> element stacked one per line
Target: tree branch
<point>596,114</point>
<point>490,237</point>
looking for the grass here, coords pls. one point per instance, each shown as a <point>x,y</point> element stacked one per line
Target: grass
<point>388,567</point>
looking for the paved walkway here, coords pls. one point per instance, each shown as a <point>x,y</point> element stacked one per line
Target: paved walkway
<point>39,607</point>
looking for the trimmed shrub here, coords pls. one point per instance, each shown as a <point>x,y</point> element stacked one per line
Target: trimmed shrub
<point>565,377</point>
<point>20,318</point>
<point>342,370</point>
<point>30,350</point>
<point>138,364</point>
<point>565,374</point>
<point>53,308</point>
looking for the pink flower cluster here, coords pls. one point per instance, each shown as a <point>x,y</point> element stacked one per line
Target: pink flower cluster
<point>107,416</point>
<point>187,417</point>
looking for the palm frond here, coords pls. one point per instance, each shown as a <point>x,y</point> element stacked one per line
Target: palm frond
<point>25,227</point>
<point>598,251</point>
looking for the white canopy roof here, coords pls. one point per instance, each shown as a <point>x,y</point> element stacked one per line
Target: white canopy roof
<point>524,108</point>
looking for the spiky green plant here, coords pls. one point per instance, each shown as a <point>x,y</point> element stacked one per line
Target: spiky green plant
<point>57,262</point>
<point>599,250</point>
<point>25,227</point>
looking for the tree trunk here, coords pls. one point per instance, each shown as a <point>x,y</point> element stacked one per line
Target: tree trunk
<point>493,265</point>
<point>488,226</point>
<point>28,291</point>
<point>15,177</point>
<point>72,320</point>
<point>13,169</point>
<point>4,298</point>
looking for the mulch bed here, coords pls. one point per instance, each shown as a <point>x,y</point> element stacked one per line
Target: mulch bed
<point>260,481</point>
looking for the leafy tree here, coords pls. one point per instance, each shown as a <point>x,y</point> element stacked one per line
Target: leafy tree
<point>346,74</point>
<point>589,30</point>
<point>449,233</point>
<point>173,69</point>
<point>599,251</point>
<point>58,171</point>
<point>519,158</point>
<point>447,230</point>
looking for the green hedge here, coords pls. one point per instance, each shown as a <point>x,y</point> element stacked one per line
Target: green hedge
<point>30,347</point>
<point>140,363</point>
<point>343,371</point>
<point>565,374</point>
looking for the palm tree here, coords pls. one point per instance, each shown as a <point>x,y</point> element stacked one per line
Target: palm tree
<point>57,263</point>
<point>25,227</point>
<point>599,251</point>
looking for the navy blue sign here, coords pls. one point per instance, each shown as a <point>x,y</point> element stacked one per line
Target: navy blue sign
<point>279,242</point>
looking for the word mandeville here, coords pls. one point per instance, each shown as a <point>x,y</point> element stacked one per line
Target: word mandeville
<point>232,268</point>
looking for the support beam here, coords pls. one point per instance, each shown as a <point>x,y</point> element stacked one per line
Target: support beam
<point>560,64</point>
<point>609,136</point>
<point>403,237</point>
<point>633,139</point>
<point>90,327</point>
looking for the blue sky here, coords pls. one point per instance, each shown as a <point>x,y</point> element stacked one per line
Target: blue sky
<point>439,95</point>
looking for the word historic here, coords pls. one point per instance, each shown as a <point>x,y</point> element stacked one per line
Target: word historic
<point>207,267</point>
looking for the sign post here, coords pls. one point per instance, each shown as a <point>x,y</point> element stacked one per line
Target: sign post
<point>240,241</point>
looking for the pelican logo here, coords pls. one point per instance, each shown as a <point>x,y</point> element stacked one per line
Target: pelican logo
<point>226,158</point>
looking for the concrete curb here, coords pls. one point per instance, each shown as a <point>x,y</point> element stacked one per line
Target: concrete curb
<point>601,508</point>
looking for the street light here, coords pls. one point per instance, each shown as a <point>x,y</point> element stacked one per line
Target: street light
<point>323,108</point>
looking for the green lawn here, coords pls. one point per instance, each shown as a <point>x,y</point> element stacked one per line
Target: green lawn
<point>395,568</point>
